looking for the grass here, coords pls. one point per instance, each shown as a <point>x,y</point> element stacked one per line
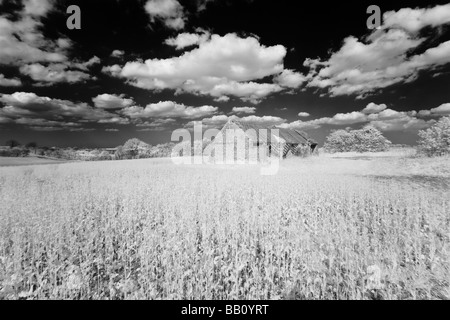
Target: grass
<point>26,161</point>
<point>322,228</point>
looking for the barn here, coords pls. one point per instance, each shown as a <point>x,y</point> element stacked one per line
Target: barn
<point>248,137</point>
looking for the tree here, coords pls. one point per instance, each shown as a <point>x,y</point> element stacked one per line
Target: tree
<point>435,141</point>
<point>370,139</point>
<point>12,143</point>
<point>104,155</point>
<point>31,145</point>
<point>339,141</point>
<point>367,139</point>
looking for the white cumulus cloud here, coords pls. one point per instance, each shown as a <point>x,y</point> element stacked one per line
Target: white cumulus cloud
<point>240,110</point>
<point>53,73</point>
<point>170,12</point>
<point>443,109</point>
<point>377,115</point>
<point>290,79</point>
<point>383,58</point>
<point>112,101</point>
<point>29,108</point>
<point>222,66</point>
<point>184,40</point>
<point>374,108</point>
<point>166,109</point>
<point>7,82</point>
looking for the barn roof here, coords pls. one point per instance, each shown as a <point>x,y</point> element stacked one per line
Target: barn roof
<point>296,136</point>
<point>289,135</point>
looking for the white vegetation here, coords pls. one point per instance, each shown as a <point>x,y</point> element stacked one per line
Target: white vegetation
<point>367,139</point>
<point>435,141</point>
<point>322,228</point>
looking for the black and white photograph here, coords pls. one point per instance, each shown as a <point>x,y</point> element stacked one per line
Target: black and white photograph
<point>224,154</point>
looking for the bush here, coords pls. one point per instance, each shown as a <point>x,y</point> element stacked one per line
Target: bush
<point>162,150</point>
<point>14,152</point>
<point>302,151</point>
<point>339,141</point>
<point>435,141</point>
<point>104,155</point>
<point>367,139</point>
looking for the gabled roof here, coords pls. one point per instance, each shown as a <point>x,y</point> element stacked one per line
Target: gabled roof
<point>289,135</point>
<point>296,136</point>
<point>292,136</point>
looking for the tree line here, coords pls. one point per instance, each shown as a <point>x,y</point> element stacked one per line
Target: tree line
<point>132,149</point>
<point>434,141</point>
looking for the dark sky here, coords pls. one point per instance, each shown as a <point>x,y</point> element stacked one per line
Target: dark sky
<point>122,75</point>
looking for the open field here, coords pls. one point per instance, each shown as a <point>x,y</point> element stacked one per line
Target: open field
<point>322,228</point>
<point>27,161</point>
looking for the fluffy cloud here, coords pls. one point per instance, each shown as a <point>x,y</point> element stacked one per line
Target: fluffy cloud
<point>114,70</point>
<point>5,82</point>
<point>247,91</point>
<point>304,114</point>
<point>290,79</point>
<point>171,13</point>
<point>383,58</point>
<point>302,125</point>
<point>23,44</point>
<point>220,67</point>
<point>166,109</point>
<point>389,114</point>
<point>67,71</point>
<point>240,110</point>
<point>374,108</point>
<point>4,119</point>
<point>443,109</point>
<point>377,115</point>
<point>413,20</point>
<point>202,4</point>
<point>85,65</point>
<point>391,120</point>
<point>219,121</point>
<point>112,101</point>
<point>37,8</point>
<point>31,109</point>
<point>402,124</point>
<point>21,41</point>
<point>346,118</point>
<point>114,120</point>
<point>168,11</point>
<point>184,40</point>
<point>117,53</point>
<point>53,73</point>
<point>263,120</point>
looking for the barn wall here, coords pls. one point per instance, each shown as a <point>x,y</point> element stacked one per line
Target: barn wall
<point>237,147</point>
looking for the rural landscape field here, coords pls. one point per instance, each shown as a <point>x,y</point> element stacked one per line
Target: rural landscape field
<point>372,226</point>
<point>208,151</point>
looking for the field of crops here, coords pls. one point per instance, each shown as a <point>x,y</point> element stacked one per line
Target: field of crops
<point>322,228</point>
<point>27,161</point>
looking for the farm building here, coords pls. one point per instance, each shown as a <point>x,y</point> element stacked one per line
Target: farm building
<point>245,139</point>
